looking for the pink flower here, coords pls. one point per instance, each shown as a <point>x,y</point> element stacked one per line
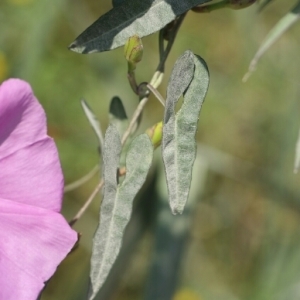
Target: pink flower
<point>34,236</point>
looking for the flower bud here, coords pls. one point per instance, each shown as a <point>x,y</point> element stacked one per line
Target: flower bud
<point>133,51</point>
<point>155,134</point>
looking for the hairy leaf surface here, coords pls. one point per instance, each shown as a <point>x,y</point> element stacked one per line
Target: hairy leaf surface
<point>189,78</point>
<point>128,18</point>
<point>117,201</point>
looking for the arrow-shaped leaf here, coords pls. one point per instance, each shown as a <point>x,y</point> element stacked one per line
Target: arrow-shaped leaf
<point>189,77</point>
<point>117,201</point>
<point>129,18</point>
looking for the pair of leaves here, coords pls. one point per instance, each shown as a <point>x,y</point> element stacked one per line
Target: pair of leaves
<point>129,18</point>
<point>117,201</point>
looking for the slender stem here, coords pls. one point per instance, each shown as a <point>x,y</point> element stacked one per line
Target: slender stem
<point>132,81</point>
<point>157,94</point>
<point>161,46</point>
<point>74,185</point>
<point>134,118</point>
<point>156,79</point>
<point>87,203</point>
<point>172,37</point>
<point>122,172</point>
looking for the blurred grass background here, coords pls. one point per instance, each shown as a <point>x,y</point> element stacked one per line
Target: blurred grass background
<point>244,237</point>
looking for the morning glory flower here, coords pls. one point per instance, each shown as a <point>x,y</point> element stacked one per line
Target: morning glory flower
<point>34,236</point>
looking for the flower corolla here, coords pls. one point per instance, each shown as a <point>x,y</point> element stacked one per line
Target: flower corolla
<point>34,236</point>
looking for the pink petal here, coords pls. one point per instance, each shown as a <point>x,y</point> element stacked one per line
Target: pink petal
<point>34,237</point>
<point>32,175</point>
<point>33,243</point>
<point>29,165</point>
<point>22,119</point>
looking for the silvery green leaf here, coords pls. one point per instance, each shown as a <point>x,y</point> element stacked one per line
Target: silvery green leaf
<point>117,201</point>
<point>276,32</point>
<point>131,17</point>
<point>93,121</point>
<point>118,118</point>
<point>189,78</point>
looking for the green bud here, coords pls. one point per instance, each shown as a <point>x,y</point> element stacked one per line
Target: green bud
<point>133,51</point>
<point>155,134</point>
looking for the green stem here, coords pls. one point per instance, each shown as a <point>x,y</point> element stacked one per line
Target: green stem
<point>132,81</point>
<point>165,53</point>
<point>157,94</point>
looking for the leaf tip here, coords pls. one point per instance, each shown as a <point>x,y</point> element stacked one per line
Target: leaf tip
<point>177,209</point>
<point>91,294</point>
<point>73,46</point>
<point>251,69</point>
<point>76,47</point>
<point>189,54</point>
<point>246,76</point>
<point>117,109</point>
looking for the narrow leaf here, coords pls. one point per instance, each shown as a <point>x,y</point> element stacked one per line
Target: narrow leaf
<point>93,121</point>
<point>189,77</point>
<point>281,27</point>
<point>130,17</point>
<point>118,118</point>
<point>117,202</point>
